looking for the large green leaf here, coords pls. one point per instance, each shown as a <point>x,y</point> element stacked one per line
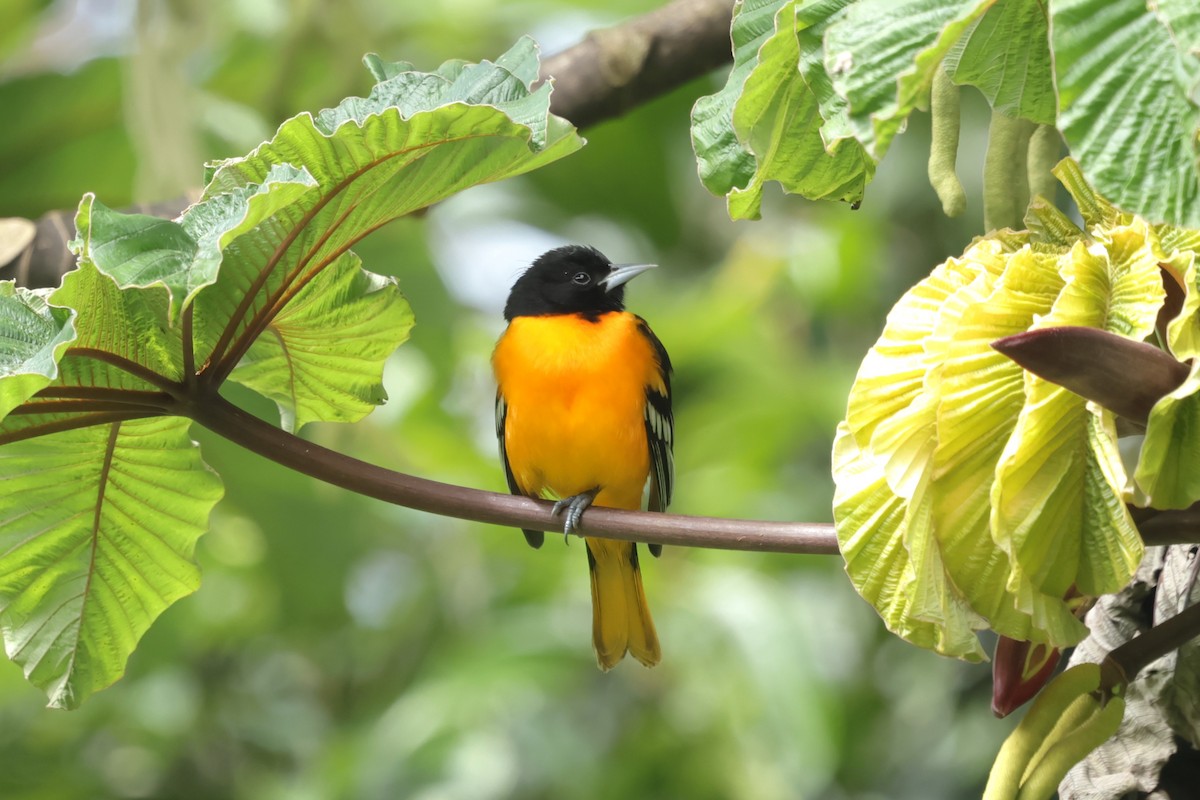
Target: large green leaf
<point>97,528</point>
<point>723,161</point>
<point>141,251</point>
<point>778,118</point>
<point>1168,468</point>
<point>877,565</point>
<point>1112,56</point>
<point>881,56</point>
<point>105,495</point>
<point>123,346</point>
<point>768,122</point>
<point>981,395</point>
<point>322,357</point>
<point>812,21</point>
<point>1057,506</point>
<point>1182,19</point>
<point>1006,55</point>
<point>33,336</point>
<point>416,139</point>
<point>103,502</point>
<point>269,224</point>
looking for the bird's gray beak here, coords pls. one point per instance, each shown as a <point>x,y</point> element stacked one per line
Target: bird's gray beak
<point>623,273</point>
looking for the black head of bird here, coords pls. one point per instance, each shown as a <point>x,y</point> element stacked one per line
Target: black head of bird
<point>571,280</point>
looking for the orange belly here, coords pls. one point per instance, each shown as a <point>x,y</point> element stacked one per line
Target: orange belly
<point>576,394</point>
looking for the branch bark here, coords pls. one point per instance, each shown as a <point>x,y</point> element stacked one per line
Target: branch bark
<point>616,69</point>
<point>227,420</point>
<point>1129,659</point>
<point>610,72</point>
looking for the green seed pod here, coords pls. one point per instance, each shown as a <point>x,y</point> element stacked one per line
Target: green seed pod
<point>1016,754</point>
<point>1005,179</point>
<point>943,147</point>
<point>1072,748</point>
<point>1045,149</point>
<point>1076,714</point>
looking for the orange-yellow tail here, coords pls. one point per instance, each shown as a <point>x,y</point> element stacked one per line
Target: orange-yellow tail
<point>620,617</point>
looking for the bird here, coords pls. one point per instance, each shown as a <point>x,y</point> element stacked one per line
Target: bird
<point>583,415</point>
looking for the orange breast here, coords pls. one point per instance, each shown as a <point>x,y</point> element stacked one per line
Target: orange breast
<point>576,394</point>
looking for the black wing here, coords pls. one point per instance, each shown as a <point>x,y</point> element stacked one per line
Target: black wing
<point>535,538</point>
<point>660,432</point>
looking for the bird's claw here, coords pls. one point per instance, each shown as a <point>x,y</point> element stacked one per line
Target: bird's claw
<point>575,505</point>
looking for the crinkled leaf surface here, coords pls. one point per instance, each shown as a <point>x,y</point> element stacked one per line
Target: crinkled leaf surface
<point>1006,55</point>
<point>721,159</point>
<point>1114,55</point>
<point>881,55</point>
<point>128,329</point>
<point>812,21</point>
<point>105,495</point>
<point>981,394</point>
<point>767,122</point>
<point>1168,468</point>
<point>1006,492</point>
<point>322,357</point>
<point>1057,506</point>
<point>881,465</point>
<point>1182,19</point>
<point>97,532</point>
<point>416,139</point>
<point>33,336</point>
<point>778,117</point>
<point>927,419</point>
<point>864,505</point>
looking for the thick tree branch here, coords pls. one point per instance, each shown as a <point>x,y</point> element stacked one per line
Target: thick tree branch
<point>615,69</point>
<point>610,72</point>
<point>1125,662</point>
<point>231,422</point>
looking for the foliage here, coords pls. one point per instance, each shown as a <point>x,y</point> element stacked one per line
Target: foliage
<point>260,267</point>
<point>930,498</point>
<point>819,90</point>
<point>1008,491</point>
<point>348,648</point>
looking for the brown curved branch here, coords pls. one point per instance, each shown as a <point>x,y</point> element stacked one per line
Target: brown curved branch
<point>615,69</point>
<point>1126,661</point>
<point>227,420</point>
<point>610,72</point>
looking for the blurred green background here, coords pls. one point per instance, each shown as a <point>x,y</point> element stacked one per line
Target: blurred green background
<point>343,648</point>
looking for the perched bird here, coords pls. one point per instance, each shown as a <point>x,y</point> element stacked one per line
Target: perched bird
<point>583,414</point>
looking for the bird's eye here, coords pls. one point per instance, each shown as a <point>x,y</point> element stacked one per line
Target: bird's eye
<point>581,278</point>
